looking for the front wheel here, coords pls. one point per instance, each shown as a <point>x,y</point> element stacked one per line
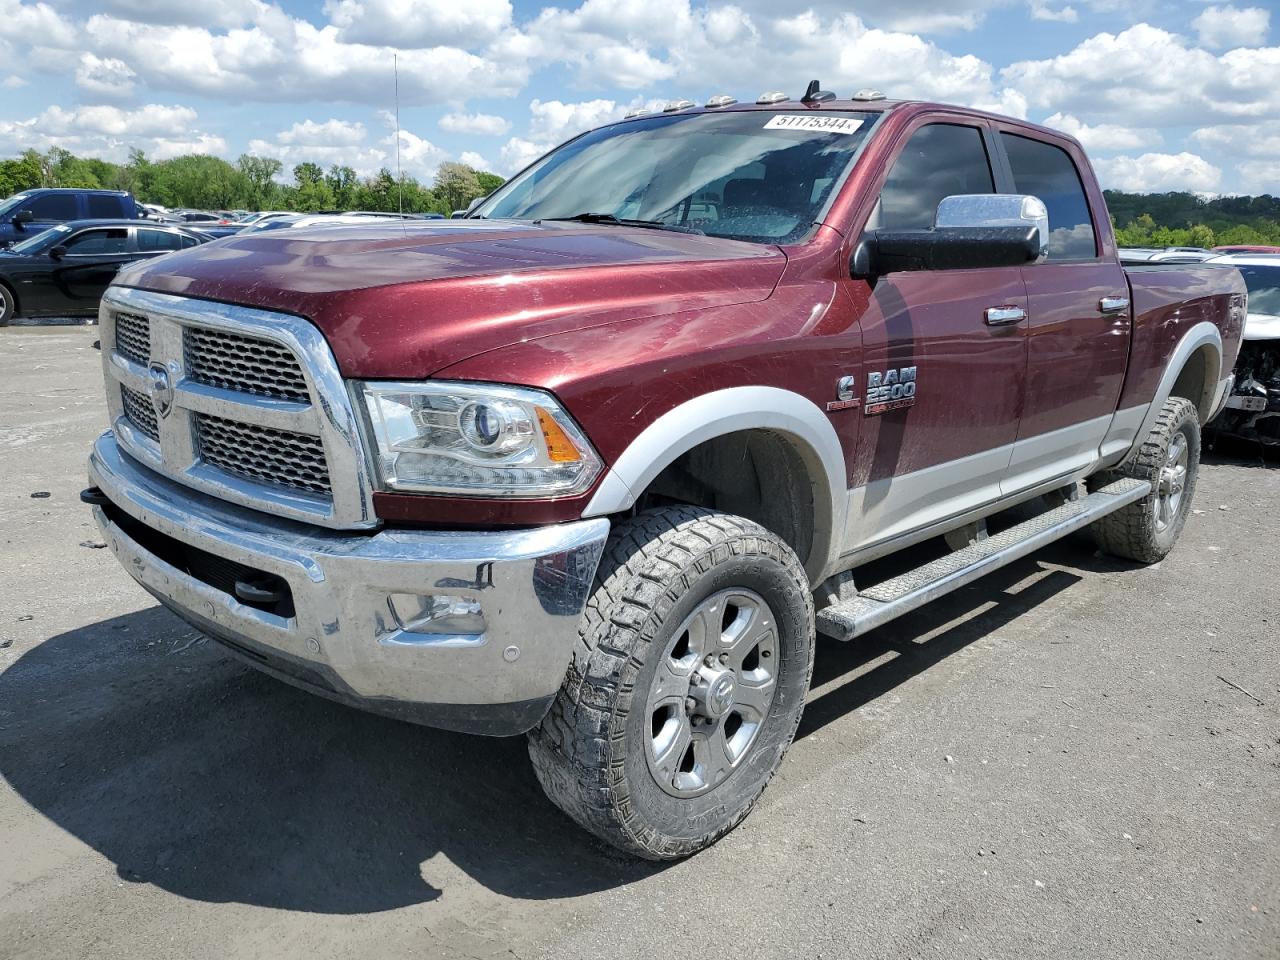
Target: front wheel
<point>8,305</point>
<point>1169,458</point>
<point>686,688</point>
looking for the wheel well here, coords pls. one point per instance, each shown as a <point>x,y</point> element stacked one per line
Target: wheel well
<point>1197,381</point>
<point>757,474</point>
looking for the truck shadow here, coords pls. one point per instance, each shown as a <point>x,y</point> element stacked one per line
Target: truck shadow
<point>209,780</point>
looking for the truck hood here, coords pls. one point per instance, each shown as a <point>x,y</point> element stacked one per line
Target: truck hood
<point>404,300</point>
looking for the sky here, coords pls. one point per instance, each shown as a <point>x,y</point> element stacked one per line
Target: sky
<point>1164,94</point>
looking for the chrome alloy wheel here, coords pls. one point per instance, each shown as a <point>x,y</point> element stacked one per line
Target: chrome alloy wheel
<point>1171,483</point>
<point>711,693</point>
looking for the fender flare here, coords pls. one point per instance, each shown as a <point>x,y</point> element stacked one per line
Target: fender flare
<point>1202,334</point>
<point>727,411</point>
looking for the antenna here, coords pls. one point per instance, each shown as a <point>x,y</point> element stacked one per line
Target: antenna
<point>395,65</point>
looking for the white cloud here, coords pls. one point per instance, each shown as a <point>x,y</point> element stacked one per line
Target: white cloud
<point>13,82</point>
<point>109,132</point>
<point>485,124</point>
<point>104,76</point>
<point>475,161</point>
<point>1104,137</point>
<point>1145,76</point>
<point>418,23</point>
<point>1157,172</point>
<point>226,14</point>
<point>346,144</point>
<point>336,133</point>
<point>1227,26</point>
<point>281,57</point>
<point>35,22</point>
<point>517,153</point>
<point>554,121</point>
<point>1040,10</point>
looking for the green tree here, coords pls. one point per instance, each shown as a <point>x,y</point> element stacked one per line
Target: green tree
<point>260,174</point>
<point>457,184</point>
<point>489,182</point>
<point>342,184</point>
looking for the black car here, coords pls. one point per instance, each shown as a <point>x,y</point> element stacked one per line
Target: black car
<point>64,270</point>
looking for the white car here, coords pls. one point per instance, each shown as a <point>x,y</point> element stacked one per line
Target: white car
<point>1253,409</point>
<point>294,221</point>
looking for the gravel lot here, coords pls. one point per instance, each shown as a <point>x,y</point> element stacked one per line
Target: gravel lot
<point>1057,762</point>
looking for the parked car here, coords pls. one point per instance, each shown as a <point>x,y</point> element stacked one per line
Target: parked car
<point>314,220</point>
<point>26,214</point>
<point>1164,254</point>
<point>252,218</point>
<point>64,270</point>
<point>1247,248</point>
<point>1253,407</point>
<point>588,467</point>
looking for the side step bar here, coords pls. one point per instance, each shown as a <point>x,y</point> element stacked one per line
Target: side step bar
<point>883,602</point>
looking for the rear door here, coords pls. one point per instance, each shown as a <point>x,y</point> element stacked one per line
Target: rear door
<point>1078,337</point>
<point>941,389</point>
<point>151,242</point>
<point>89,265</point>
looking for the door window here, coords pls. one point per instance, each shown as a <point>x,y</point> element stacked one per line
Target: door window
<point>105,207</point>
<point>150,241</point>
<point>53,206</point>
<point>940,160</point>
<point>98,242</point>
<point>1047,172</point>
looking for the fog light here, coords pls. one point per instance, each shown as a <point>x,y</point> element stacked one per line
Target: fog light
<point>436,613</point>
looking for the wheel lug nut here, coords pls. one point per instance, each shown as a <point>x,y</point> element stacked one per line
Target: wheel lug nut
<point>690,705</point>
<point>724,658</point>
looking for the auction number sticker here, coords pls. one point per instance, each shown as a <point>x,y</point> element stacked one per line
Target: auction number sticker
<point>813,121</point>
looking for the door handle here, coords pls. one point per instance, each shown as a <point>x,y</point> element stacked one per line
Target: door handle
<point>1000,316</point>
<point>1113,304</point>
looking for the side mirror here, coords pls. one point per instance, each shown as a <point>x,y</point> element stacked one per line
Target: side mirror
<point>475,203</point>
<point>23,217</point>
<point>58,252</point>
<point>969,232</point>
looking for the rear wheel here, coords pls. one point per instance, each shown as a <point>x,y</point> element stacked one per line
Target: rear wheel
<point>1169,458</point>
<point>687,687</point>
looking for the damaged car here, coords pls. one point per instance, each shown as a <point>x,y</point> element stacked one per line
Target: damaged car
<point>1252,411</point>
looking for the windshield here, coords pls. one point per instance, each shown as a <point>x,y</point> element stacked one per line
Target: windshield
<point>13,203</point>
<point>1264,288</point>
<point>752,175</point>
<point>43,240</point>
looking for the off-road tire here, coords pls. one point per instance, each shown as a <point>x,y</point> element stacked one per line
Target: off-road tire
<point>8,305</point>
<point>589,752</point>
<point>1134,532</point>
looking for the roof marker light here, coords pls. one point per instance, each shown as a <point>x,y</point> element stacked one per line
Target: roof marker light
<point>868,94</point>
<point>722,100</point>
<point>634,113</point>
<point>675,105</point>
<point>773,96</point>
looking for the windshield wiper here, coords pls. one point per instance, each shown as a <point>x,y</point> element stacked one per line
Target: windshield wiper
<point>609,218</point>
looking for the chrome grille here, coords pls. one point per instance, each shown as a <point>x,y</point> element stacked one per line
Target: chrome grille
<point>263,454</point>
<point>256,411</point>
<point>138,408</point>
<point>133,338</point>
<point>233,361</point>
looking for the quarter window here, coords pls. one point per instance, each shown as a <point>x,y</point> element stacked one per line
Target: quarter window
<point>53,206</point>
<point>940,160</point>
<point>1047,172</point>
<point>153,240</point>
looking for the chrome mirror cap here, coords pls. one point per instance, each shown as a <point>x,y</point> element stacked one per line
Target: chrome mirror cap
<point>995,210</point>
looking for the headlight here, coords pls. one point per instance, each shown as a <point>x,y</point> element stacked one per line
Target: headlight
<point>476,439</point>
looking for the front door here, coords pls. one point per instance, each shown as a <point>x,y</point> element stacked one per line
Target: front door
<point>941,387</point>
<point>87,268</point>
<point>1078,338</point>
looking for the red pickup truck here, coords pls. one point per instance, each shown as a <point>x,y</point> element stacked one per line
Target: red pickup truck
<point>599,460</point>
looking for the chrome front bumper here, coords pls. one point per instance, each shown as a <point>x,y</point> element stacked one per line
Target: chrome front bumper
<point>342,639</point>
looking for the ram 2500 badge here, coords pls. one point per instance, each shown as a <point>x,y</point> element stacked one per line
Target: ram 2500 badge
<point>596,462</point>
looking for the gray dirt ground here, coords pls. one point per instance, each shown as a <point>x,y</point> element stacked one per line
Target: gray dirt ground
<point>1049,764</point>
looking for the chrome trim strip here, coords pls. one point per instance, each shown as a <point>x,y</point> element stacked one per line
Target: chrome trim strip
<point>330,415</point>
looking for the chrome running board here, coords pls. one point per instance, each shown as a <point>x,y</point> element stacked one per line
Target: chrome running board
<point>883,602</point>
